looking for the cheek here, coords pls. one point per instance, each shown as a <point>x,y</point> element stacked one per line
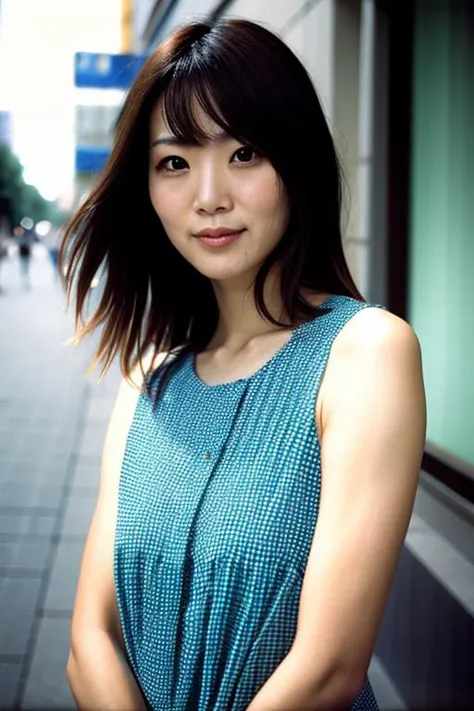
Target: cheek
<point>155,195</point>
<point>264,197</point>
<point>166,202</point>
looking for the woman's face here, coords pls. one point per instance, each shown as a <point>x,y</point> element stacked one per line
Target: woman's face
<point>222,184</point>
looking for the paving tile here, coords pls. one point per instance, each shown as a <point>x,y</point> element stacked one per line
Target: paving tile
<point>8,553</point>
<point>19,596</point>
<point>16,493</point>
<point>19,456</point>
<point>42,525</point>
<point>95,430</point>
<point>78,515</point>
<point>86,475</point>
<point>5,439</point>
<point>5,456</point>
<point>14,524</point>
<point>91,460</point>
<point>61,450</point>
<point>49,496</point>
<point>34,441</point>
<point>19,493</point>
<point>99,409</point>
<point>56,470</point>
<point>85,491</point>
<point>25,471</point>
<point>44,424</point>
<point>24,555</point>
<point>63,582</point>
<point>9,678</point>
<point>92,446</point>
<point>47,686</point>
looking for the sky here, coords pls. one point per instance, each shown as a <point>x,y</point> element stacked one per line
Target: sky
<point>38,39</point>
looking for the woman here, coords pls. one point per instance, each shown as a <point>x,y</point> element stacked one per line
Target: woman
<point>262,395</point>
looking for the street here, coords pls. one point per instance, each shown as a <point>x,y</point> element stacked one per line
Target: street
<point>52,426</point>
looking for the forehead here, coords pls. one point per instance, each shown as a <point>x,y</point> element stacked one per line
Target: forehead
<point>159,124</point>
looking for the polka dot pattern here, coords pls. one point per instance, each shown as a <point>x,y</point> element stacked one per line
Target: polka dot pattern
<point>218,503</point>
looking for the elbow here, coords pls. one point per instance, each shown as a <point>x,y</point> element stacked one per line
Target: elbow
<point>73,660</point>
<point>343,692</point>
<point>339,691</point>
<point>71,665</point>
<point>79,654</point>
<point>72,671</point>
<point>334,689</point>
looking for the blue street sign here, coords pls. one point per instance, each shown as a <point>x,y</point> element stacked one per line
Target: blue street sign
<point>91,160</point>
<point>106,71</point>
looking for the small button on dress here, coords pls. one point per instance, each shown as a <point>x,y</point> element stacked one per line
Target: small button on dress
<point>218,503</point>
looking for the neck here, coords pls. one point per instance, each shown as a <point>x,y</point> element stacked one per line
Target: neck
<point>239,320</point>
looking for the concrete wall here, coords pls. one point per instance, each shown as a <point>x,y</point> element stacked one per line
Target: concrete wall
<point>185,11</point>
<point>325,35</point>
<point>142,10</point>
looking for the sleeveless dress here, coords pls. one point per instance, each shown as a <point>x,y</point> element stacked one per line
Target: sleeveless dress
<point>218,503</point>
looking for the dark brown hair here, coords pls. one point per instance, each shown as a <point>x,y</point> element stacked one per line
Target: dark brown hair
<point>252,85</point>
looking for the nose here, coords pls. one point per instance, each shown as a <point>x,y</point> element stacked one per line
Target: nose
<point>212,190</point>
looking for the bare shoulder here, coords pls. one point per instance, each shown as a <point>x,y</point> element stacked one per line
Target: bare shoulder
<point>375,333</point>
<point>131,387</point>
<point>375,348</point>
<point>148,363</point>
<point>122,416</point>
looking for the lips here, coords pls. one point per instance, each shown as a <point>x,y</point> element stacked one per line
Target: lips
<point>218,237</point>
<point>216,232</point>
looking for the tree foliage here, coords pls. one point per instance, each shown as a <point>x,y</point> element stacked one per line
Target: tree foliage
<point>19,199</point>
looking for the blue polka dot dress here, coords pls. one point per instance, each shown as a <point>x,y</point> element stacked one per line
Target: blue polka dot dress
<point>218,503</point>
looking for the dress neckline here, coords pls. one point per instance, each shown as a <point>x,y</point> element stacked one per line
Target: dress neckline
<point>277,354</point>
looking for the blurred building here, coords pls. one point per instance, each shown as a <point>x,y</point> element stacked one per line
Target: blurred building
<point>101,81</point>
<point>6,128</point>
<point>396,80</point>
<point>38,41</point>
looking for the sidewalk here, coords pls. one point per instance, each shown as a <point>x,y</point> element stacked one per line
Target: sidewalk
<point>52,426</point>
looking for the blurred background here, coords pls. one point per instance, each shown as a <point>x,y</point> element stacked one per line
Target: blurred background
<point>396,80</point>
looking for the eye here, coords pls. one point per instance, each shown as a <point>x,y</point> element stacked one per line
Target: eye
<point>245,154</point>
<point>172,164</point>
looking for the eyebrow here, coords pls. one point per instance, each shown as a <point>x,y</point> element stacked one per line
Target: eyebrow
<point>167,140</point>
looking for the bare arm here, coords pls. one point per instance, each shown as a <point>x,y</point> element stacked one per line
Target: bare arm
<point>97,669</point>
<point>372,439</point>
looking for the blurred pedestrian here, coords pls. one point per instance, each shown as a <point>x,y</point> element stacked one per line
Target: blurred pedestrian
<point>3,256</point>
<point>258,483</point>
<point>26,238</point>
<point>52,241</point>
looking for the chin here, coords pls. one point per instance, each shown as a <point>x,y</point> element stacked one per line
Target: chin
<point>224,272</point>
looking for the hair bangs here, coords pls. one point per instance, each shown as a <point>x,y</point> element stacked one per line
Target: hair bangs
<point>194,90</point>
